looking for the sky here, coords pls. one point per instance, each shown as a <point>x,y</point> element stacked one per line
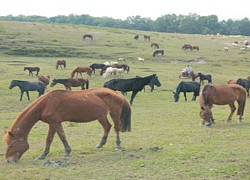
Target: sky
<point>121,9</point>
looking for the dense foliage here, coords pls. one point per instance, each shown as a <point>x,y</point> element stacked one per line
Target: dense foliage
<point>171,23</point>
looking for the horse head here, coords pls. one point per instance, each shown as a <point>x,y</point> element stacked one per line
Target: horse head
<point>206,115</point>
<point>154,80</point>
<point>176,97</point>
<point>16,147</point>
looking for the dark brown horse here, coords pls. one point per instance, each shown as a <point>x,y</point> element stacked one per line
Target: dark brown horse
<point>146,37</point>
<point>81,70</point>
<point>88,36</point>
<point>31,69</point>
<point>155,45</point>
<point>59,106</point>
<point>187,47</point>
<point>71,82</point>
<point>61,63</point>
<point>196,48</point>
<point>45,79</point>
<point>221,95</point>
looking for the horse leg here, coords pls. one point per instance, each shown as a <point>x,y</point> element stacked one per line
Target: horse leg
<point>117,127</point>
<point>50,137</point>
<point>233,108</point>
<point>62,136</point>
<point>27,93</point>
<point>21,96</point>
<point>240,111</point>
<point>106,127</point>
<point>133,96</point>
<point>185,96</point>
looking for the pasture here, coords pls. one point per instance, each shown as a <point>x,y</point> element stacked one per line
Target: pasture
<point>166,140</point>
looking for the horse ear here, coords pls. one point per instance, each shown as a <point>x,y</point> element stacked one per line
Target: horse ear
<point>10,133</point>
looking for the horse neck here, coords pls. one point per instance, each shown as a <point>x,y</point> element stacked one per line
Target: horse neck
<point>146,80</point>
<point>26,120</point>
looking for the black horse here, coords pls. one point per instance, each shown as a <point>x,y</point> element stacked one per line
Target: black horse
<point>26,86</point>
<point>158,51</point>
<point>31,69</point>
<point>88,36</point>
<point>244,83</point>
<point>97,66</point>
<point>133,84</point>
<point>185,87</point>
<point>136,37</point>
<point>205,77</point>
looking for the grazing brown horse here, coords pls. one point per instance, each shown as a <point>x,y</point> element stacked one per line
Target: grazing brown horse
<point>58,106</point>
<point>71,82</point>
<point>61,63</point>
<point>45,79</point>
<point>197,48</point>
<point>221,95</point>
<point>187,47</point>
<point>81,70</point>
<point>146,37</point>
<point>155,45</point>
<point>31,69</point>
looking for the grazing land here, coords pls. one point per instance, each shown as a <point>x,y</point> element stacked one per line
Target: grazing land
<point>166,141</point>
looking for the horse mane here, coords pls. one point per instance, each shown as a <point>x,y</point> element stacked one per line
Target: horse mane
<point>178,89</point>
<point>61,80</point>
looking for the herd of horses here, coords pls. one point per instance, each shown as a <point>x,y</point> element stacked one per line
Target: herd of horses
<point>96,103</point>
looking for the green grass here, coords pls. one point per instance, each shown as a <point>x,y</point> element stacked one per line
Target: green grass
<point>166,141</point>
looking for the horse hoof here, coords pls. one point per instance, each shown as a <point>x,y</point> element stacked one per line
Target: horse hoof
<point>118,148</point>
<point>99,146</point>
<point>40,158</point>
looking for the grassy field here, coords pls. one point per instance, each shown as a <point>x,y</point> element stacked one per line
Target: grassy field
<point>166,141</point>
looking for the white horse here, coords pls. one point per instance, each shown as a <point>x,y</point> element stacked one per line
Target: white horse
<point>140,59</point>
<point>110,63</point>
<point>111,71</point>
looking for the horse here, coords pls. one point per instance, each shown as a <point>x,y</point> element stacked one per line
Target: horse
<point>61,63</point>
<point>45,79</point>
<point>31,69</point>
<point>155,45</point>
<point>141,59</point>
<point>26,86</point>
<point>88,36</point>
<point>58,106</point>
<point>197,48</point>
<point>71,82</point>
<point>244,83</point>
<point>146,37</point>
<point>221,95</point>
<point>187,47</point>
<point>97,66</point>
<point>205,77</point>
<point>112,70</point>
<point>125,67</point>
<point>185,87</point>
<point>136,37</point>
<point>156,52</point>
<point>81,70</point>
<point>133,84</point>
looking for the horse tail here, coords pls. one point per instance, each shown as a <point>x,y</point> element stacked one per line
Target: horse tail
<point>128,69</point>
<point>87,83</point>
<point>126,116</point>
<point>64,64</point>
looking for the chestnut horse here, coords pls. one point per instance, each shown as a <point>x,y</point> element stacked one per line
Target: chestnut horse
<point>71,82</point>
<point>81,70</point>
<point>58,106</point>
<point>221,95</point>
<point>31,69</point>
<point>61,63</point>
<point>45,79</point>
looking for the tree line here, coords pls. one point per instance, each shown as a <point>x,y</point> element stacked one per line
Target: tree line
<point>170,23</point>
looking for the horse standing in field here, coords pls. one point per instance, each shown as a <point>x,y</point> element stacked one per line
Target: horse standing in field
<point>156,52</point>
<point>147,38</point>
<point>221,95</point>
<point>133,84</point>
<point>58,106</point>
<point>205,77</point>
<point>45,79</point>
<point>187,47</point>
<point>245,83</point>
<point>197,48</point>
<point>26,86</point>
<point>136,37</point>
<point>31,69</point>
<point>185,87</point>
<point>155,45</point>
<point>61,63</point>
<point>80,70</point>
<point>97,66</point>
<point>71,82</point>
<point>88,36</point>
